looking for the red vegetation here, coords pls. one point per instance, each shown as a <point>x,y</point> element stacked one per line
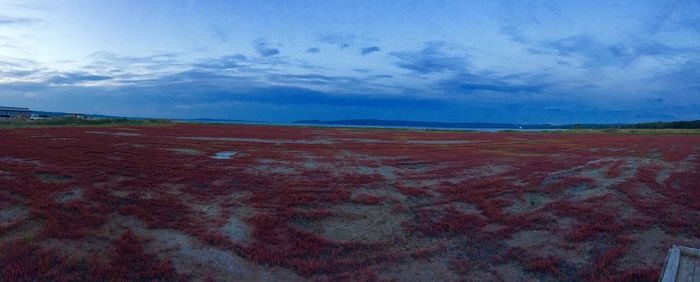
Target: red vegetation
<point>615,169</point>
<point>547,264</point>
<point>22,261</point>
<point>367,199</point>
<point>129,262</point>
<point>410,191</point>
<point>438,200</point>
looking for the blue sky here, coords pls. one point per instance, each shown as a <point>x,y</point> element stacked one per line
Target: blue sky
<point>280,61</point>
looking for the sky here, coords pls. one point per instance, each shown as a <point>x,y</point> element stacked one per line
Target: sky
<point>280,61</point>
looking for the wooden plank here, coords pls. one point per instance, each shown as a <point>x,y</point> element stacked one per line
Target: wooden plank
<point>689,251</point>
<point>671,266</point>
<point>685,270</point>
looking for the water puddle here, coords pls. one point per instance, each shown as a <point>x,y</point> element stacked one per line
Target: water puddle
<point>224,155</point>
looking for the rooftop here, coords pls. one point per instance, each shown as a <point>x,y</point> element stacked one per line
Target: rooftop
<point>2,108</point>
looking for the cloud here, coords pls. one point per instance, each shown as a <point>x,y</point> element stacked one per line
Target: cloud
<point>431,59</point>
<point>499,87</point>
<point>316,79</point>
<point>371,49</point>
<point>220,34</point>
<point>72,78</point>
<point>693,24</point>
<point>7,20</point>
<point>594,53</point>
<point>466,83</point>
<point>515,33</point>
<point>313,50</point>
<point>17,73</point>
<point>263,48</point>
<point>584,46</point>
<point>108,62</point>
<point>236,61</point>
<point>342,40</point>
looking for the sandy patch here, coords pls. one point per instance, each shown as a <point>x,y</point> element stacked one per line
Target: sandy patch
<point>419,270</point>
<point>359,223</point>
<point>442,142</point>
<point>190,256</point>
<point>47,178</point>
<point>236,230</point>
<point>651,245</point>
<point>265,169</point>
<point>186,151</point>
<point>118,133</point>
<point>11,213</point>
<point>257,140</point>
<point>21,161</point>
<point>532,201</point>
<point>70,195</point>
<point>543,243</point>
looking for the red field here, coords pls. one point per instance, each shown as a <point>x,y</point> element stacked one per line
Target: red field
<point>293,203</point>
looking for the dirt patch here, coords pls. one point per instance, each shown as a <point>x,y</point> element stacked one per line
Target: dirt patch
<point>360,223</point>
<point>532,201</point>
<point>190,256</point>
<point>531,238</point>
<point>47,178</point>
<point>510,272</point>
<point>236,230</point>
<point>77,249</point>
<point>186,151</point>
<point>70,195</point>
<point>25,230</point>
<point>119,193</point>
<point>119,133</point>
<point>264,169</point>
<point>583,192</point>
<point>387,172</point>
<point>651,245</point>
<point>566,223</point>
<point>543,243</point>
<point>208,210</point>
<point>419,270</point>
<point>480,172</point>
<point>645,192</point>
<point>362,140</point>
<point>257,140</point>
<point>386,192</point>
<point>422,183</point>
<point>21,161</point>
<point>465,208</point>
<point>11,213</point>
<point>663,175</point>
<point>442,142</point>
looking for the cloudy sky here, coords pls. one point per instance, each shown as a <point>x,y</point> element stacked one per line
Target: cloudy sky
<point>280,61</point>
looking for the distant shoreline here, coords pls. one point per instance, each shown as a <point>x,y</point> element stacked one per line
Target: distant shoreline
<point>682,127</point>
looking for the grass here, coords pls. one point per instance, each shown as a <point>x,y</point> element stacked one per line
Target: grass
<point>72,122</point>
<point>664,131</point>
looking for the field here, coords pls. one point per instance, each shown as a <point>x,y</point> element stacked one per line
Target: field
<point>63,122</point>
<point>235,202</point>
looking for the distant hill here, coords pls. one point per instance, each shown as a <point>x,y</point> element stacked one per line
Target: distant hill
<point>693,124</point>
<point>465,125</point>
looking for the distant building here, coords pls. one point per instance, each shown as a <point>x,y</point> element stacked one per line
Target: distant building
<point>75,116</point>
<point>39,116</point>
<point>14,113</point>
